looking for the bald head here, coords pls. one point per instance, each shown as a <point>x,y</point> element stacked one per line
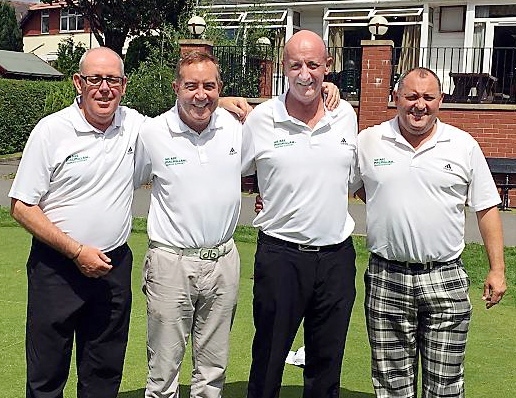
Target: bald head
<point>304,39</point>
<point>91,56</point>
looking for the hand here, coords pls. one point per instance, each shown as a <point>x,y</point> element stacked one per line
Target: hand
<point>92,262</point>
<point>237,105</point>
<point>494,288</point>
<point>332,95</point>
<point>258,204</point>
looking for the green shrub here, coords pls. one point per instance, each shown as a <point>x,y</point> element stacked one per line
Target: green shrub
<point>149,89</point>
<point>22,105</point>
<point>60,95</point>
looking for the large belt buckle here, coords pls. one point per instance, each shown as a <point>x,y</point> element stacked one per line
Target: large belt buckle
<point>308,248</point>
<point>212,253</point>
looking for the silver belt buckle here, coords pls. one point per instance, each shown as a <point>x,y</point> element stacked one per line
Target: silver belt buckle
<point>308,248</point>
<point>212,253</point>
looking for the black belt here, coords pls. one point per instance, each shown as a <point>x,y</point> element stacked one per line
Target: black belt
<point>417,266</point>
<point>262,237</point>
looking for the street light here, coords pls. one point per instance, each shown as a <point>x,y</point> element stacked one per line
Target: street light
<point>264,41</point>
<point>196,26</point>
<point>378,25</point>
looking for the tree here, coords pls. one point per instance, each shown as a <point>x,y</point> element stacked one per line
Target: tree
<point>68,56</point>
<point>10,33</point>
<point>113,21</point>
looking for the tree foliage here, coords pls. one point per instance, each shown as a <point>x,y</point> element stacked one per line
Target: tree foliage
<point>10,32</point>
<point>68,56</point>
<point>113,21</point>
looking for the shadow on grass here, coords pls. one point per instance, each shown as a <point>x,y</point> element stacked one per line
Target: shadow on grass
<point>238,389</point>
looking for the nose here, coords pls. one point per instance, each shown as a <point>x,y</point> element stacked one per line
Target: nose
<point>304,72</point>
<point>420,103</point>
<point>104,86</point>
<point>200,93</point>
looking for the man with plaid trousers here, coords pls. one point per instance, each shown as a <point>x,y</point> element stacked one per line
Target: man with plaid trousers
<point>419,174</point>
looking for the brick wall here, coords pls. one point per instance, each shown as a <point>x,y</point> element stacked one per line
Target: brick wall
<point>492,125</point>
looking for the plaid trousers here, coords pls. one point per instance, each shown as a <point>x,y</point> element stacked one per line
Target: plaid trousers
<point>412,313</point>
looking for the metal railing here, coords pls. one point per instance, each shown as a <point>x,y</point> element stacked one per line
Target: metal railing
<point>468,75</point>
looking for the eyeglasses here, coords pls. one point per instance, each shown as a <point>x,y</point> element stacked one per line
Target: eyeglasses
<point>112,81</point>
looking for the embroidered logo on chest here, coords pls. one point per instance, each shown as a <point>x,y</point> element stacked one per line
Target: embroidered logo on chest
<point>283,143</point>
<point>174,161</point>
<point>382,162</point>
<point>76,158</point>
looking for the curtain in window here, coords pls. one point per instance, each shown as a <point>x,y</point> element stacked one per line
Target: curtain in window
<point>409,54</point>
<point>336,45</point>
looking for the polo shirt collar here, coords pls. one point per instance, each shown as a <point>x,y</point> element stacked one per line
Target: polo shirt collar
<point>81,125</point>
<point>280,114</point>
<point>176,124</point>
<point>441,134</point>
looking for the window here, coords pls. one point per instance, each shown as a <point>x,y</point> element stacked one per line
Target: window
<point>451,19</point>
<point>71,20</point>
<point>45,19</point>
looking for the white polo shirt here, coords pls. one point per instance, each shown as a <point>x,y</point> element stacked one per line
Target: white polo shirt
<point>195,199</point>
<point>80,176</point>
<point>416,198</point>
<point>303,174</point>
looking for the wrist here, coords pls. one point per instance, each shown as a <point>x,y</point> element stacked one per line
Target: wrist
<point>77,253</point>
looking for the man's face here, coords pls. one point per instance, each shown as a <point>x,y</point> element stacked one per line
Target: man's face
<point>418,101</point>
<point>100,101</point>
<point>305,64</point>
<point>197,92</point>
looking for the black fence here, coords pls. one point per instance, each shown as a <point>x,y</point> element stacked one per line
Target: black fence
<point>468,75</point>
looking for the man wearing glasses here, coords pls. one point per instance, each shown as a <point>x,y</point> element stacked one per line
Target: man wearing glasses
<point>73,193</point>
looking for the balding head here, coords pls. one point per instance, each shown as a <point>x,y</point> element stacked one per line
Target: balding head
<point>92,54</point>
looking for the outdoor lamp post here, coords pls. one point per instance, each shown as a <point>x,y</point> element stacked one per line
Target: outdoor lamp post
<point>378,25</point>
<point>196,26</point>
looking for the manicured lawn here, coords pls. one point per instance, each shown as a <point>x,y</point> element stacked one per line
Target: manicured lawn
<point>490,364</point>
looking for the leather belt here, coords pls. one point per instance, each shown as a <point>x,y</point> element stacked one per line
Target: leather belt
<point>204,253</point>
<point>302,248</point>
<point>417,266</point>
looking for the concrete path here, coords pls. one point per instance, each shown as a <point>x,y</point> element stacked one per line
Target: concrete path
<point>356,208</point>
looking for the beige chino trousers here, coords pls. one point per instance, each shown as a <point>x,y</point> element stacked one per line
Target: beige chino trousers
<point>187,296</point>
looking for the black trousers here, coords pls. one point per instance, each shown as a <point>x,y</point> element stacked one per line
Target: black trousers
<point>63,304</point>
<point>291,285</point>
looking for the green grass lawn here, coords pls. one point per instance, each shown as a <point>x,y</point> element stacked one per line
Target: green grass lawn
<point>491,354</point>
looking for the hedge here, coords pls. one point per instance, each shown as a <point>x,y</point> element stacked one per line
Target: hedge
<point>22,104</point>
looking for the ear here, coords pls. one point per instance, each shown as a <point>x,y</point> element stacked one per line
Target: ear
<point>329,63</point>
<point>77,83</point>
<point>175,86</point>
<point>124,86</point>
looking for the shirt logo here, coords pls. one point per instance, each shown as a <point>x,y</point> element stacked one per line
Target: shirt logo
<point>130,150</point>
<point>232,151</point>
<point>174,161</point>
<point>382,162</point>
<point>76,158</point>
<point>283,143</point>
<point>343,141</point>
<point>448,167</point>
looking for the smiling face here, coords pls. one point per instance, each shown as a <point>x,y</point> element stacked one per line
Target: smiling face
<point>305,63</point>
<point>418,99</point>
<point>99,103</point>
<point>197,86</point>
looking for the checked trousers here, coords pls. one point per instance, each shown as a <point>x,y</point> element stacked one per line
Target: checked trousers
<point>417,314</point>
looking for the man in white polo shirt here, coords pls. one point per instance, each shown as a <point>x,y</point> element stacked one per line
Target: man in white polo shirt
<point>419,174</point>
<point>191,154</point>
<point>305,157</point>
<point>73,192</point>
